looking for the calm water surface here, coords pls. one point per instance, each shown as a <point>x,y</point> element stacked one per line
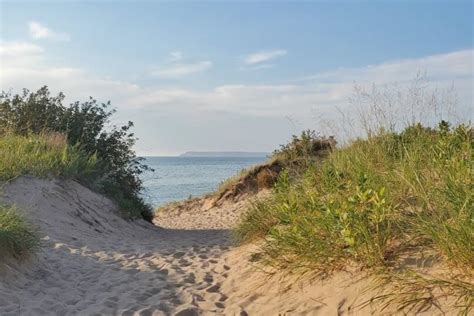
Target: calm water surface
<point>177,178</point>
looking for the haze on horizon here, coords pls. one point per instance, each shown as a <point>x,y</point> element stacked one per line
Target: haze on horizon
<point>232,76</point>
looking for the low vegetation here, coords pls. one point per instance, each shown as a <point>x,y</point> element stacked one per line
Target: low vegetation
<point>18,238</point>
<point>44,155</point>
<point>372,203</point>
<point>294,157</point>
<point>74,141</point>
<point>250,180</point>
<point>40,136</point>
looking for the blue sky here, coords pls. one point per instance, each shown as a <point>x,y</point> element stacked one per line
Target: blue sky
<point>231,76</point>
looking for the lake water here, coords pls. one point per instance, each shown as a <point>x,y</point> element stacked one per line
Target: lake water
<point>177,178</point>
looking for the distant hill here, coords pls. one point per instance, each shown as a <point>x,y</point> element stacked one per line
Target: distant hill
<point>224,154</point>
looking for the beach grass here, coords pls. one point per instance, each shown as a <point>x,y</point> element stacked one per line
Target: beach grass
<point>18,238</point>
<point>43,155</point>
<point>50,155</point>
<point>42,137</point>
<point>371,202</point>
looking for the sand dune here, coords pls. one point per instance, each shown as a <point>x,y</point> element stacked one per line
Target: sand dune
<point>95,263</point>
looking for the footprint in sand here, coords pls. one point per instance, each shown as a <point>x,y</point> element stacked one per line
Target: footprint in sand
<point>178,254</point>
<point>213,289</point>
<point>184,263</point>
<point>223,298</point>
<point>190,278</point>
<point>208,278</point>
<point>192,311</point>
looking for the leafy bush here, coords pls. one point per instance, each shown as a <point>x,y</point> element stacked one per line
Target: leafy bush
<point>17,237</point>
<point>303,150</point>
<point>84,126</point>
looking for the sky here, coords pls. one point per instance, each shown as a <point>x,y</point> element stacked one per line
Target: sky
<point>233,76</point>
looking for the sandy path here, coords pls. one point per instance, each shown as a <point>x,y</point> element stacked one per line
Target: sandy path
<point>94,263</point>
<point>123,278</point>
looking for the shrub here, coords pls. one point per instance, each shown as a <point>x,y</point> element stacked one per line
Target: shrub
<point>303,150</point>
<point>84,127</point>
<point>296,156</point>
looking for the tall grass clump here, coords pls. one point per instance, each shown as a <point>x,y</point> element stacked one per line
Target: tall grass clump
<point>43,155</point>
<point>18,238</point>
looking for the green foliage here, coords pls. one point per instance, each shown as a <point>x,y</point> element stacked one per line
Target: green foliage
<point>372,201</point>
<point>17,238</point>
<point>85,128</point>
<point>302,150</point>
<point>300,153</point>
<point>414,292</point>
<point>44,155</point>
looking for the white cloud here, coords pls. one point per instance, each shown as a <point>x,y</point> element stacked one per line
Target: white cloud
<point>24,66</point>
<point>442,66</point>
<point>319,92</point>
<point>19,48</point>
<point>257,67</point>
<point>263,56</point>
<point>39,31</point>
<point>175,56</point>
<point>298,97</point>
<point>302,99</point>
<point>16,56</point>
<point>176,70</point>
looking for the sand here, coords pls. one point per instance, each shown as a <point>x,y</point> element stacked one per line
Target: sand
<point>207,212</point>
<point>92,262</point>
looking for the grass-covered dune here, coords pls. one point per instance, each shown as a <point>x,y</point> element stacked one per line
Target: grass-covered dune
<point>41,137</point>
<point>294,156</point>
<point>374,203</point>
<point>46,155</point>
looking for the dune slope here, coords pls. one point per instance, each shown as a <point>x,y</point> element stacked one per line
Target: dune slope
<point>94,262</point>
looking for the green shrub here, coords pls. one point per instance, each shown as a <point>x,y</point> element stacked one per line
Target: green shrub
<point>18,239</point>
<point>303,150</point>
<point>84,126</point>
